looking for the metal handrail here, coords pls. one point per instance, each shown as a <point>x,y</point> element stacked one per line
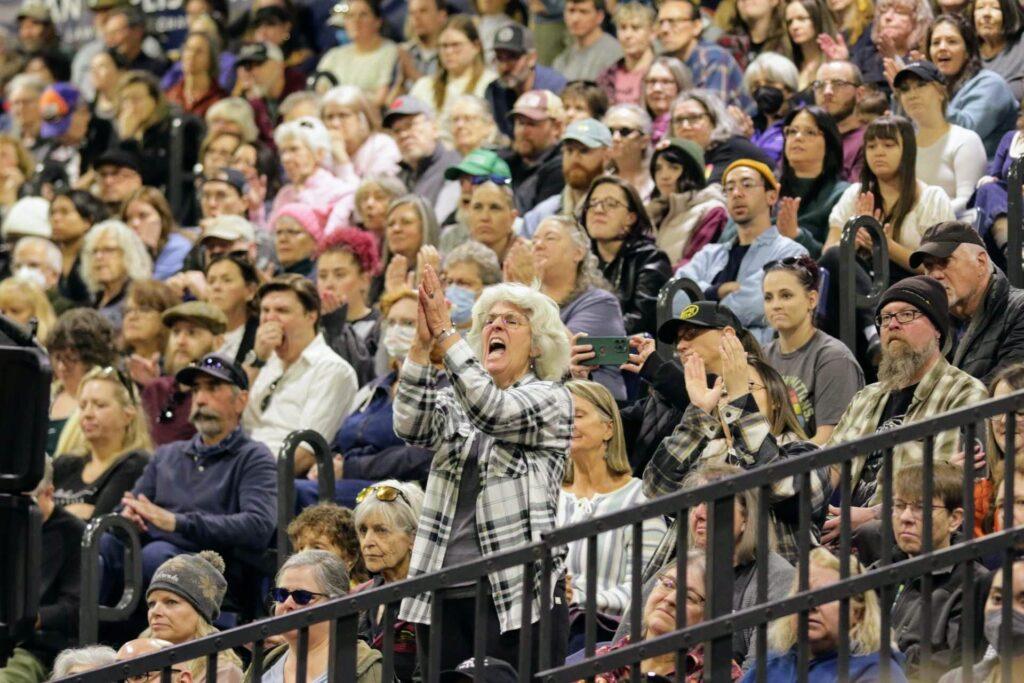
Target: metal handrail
<point>849,299</point>
<point>1014,218</point>
<point>286,481</point>
<point>665,297</point>
<point>343,612</point>
<point>90,611</point>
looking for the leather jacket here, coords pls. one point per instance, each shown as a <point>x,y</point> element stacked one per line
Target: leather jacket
<point>637,274</point>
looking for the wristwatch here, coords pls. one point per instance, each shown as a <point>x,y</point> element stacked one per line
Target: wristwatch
<point>252,360</point>
<point>445,334</point>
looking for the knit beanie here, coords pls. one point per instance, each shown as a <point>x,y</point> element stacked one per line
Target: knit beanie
<point>199,579</point>
<point>305,216</point>
<point>926,295</point>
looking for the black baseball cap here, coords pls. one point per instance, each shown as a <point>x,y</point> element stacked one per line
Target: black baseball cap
<point>122,155</point>
<point>230,176</point>
<point>493,671</point>
<point>514,38</point>
<point>258,53</point>
<point>708,314</point>
<point>214,365</point>
<point>923,69</point>
<point>942,239</point>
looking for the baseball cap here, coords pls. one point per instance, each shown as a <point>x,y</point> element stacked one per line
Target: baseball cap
<point>36,10</point>
<point>229,229</point>
<point>589,132</point>
<point>123,155</point>
<point>539,105</point>
<point>479,162</point>
<point>493,671</point>
<point>708,314</point>
<point>258,53</point>
<point>232,177</point>
<point>214,365</point>
<point>513,38</point>
<point>407,105</point>
<point>942,239</point>
<point>760,167</point>
<point>924,70</point>
<point>199,312</point>
<point>57,104</point>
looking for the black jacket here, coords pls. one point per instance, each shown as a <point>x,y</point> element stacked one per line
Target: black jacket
<point>637,274</point>
<point>344,341</point>
<point>647,421</point>
<point>995,338</point>
<point>535,182</point>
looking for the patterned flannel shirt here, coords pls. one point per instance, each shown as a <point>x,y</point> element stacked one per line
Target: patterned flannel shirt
<point>714,68</point>
<point>942,389</point>
<point>526,431</point>
<point>701,438</point>
<point>694,671</point>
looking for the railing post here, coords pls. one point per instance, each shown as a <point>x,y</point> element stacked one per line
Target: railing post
<point>849,299</point>
<point>665,297</point>
<point>90,611</point>
<point>1014,217</point>
<point>286,481</point>
<point>174,171</point>
<point>719,580</point>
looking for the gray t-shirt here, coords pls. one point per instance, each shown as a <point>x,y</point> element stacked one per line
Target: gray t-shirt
<point>586,64</point>
<point>463,545</point>
<point>822,376</point>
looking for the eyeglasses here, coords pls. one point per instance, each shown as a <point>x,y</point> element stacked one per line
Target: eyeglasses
<point>298,596</point>
<point>115,373</point>
<point>902,317</point>
<point>492,178</point>
<point>606,204</point>
<point>510,320</point>
<point>916,509</point>
<point>265,402</point>
<point>664,82</point>
<point>623,131</point>
<point>691,332</point>
<point>688,121</point>
<point>384,493</point>
<point>793,132</point>
<point>835,84</point>
<point>746,185</point>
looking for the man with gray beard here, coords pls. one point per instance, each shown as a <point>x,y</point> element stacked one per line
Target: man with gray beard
<point>915,382</point>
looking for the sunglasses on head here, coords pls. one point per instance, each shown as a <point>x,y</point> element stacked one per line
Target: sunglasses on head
<point>298,596</point>
<point>492,178</point>
<point>793,264</point>
<point>385,493</point>
<point>116,373</point>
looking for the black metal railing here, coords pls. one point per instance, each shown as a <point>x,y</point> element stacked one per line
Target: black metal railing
<point>90,611</point>
<point>286,481</point>
<point>1015,222</point>
<point>846,279</point>
<point>666,297</point>
<point>720,619</point>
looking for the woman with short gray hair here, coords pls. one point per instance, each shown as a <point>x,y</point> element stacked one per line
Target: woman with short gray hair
<point>81,659</point>
<point>500,433</point>
<point>772,81</point>
<point>113,256</point>
<point>306,579</point>
<point>359,147</point>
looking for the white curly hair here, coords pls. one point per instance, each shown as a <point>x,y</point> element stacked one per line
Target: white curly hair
<point>309,131</point>
<point>137,262</point>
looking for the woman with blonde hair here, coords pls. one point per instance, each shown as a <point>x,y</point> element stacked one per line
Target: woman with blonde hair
<point>16,166</point>
<point>112,256</point>
<point>461,69</point>
<point>91,482</point>
<point>865,634</point>
<point>358,146</point>
<point>232,115</point>
<point>598,481</point>
<point>21,300</point>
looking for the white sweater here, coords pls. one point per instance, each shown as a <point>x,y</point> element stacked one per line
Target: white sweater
<point>954,162</point>
<point>933,206</point>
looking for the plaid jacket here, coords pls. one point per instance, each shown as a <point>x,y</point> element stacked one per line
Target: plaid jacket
<point>701,438</point>
<point>526,430</point>
<point>943,388</point>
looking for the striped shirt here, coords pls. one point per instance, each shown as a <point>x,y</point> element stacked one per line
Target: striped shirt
<point>614,547</point>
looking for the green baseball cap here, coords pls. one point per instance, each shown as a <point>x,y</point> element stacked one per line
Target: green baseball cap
<point>479,162</point>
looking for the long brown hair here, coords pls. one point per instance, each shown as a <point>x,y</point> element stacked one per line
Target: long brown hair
<point>464,25</point>
<point>156,199</point>
<point>899,129</point>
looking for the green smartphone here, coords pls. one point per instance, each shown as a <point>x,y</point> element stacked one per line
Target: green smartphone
<point>607,350</point>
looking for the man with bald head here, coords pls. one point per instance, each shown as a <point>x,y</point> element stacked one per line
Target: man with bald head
<point>145,646</point>
<point>988,314</point>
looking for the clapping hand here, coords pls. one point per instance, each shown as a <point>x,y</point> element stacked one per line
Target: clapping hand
<point>735,371</point>
<point>834,49</point>
<point>397,275</point>
<point>143,370</point>
<point>697,384</point>
<point>143,512</point>
<point>432,302</point>
<point>786,218</point>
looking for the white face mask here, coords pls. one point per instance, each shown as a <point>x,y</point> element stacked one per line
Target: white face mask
<point>398,340</point>
<point>31,274</point>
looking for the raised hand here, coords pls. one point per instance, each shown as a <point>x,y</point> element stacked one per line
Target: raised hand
<point>397,274</point>
<point>432,301</point>
<point>330,302</point>
<point>697,384</point>
<point>786,218</point>
<point>735,371</point>
<point>641,347</point>
<point>428,255</point>
<point>743,120</point>
<point>519,264</point>
<point>834,49</point>
<point>144,370</point>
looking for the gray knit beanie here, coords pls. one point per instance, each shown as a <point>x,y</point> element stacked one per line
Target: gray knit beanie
<point>199,579</point>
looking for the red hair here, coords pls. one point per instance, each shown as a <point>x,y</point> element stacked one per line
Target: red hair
<point>360,243</point>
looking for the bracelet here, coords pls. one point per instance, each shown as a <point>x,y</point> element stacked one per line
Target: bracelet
<point>451,331</point>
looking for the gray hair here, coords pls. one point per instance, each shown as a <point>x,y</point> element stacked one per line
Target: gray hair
<point>680,73</point>
<point>309,131</point>
<point>238,110</point>
<point>484,110</point>
<point>53,255</point>
<point>82,659</point>
<point>772,67</point>
<point>329,572</point>
<point>354,98</point>
<point>137,262</point>
<point>27,81</point>
<point>724,126</point>
<point>430,231</point>
<point>401,514</point>
<point>639,114</point>
<point>588,272</point>
<point>548,333</point>
<point>296,99</point>
<point>479,255</point>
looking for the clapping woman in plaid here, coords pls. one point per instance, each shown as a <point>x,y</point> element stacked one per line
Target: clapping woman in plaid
<point>500,434</point>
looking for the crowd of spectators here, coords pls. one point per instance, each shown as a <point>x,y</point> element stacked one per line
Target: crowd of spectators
<point>401,226</point>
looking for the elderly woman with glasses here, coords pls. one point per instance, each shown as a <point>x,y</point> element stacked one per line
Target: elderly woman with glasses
<point>308,579</point>
<point>90,482</point>
<point>386,517</point>
<point>500,432</point>
<point>112,257</point>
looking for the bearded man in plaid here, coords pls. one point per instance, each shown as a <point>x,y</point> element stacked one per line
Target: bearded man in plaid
<point>500,433</point>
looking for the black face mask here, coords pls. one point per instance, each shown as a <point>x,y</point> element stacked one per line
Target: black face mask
<point>769,99</point>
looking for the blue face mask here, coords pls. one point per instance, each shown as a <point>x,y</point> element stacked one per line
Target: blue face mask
<point>462,303</point>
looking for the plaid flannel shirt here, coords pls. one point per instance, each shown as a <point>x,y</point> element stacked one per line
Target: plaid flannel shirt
<point>701,438</point>
<point>942,389</point>
<point>526,429</point>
